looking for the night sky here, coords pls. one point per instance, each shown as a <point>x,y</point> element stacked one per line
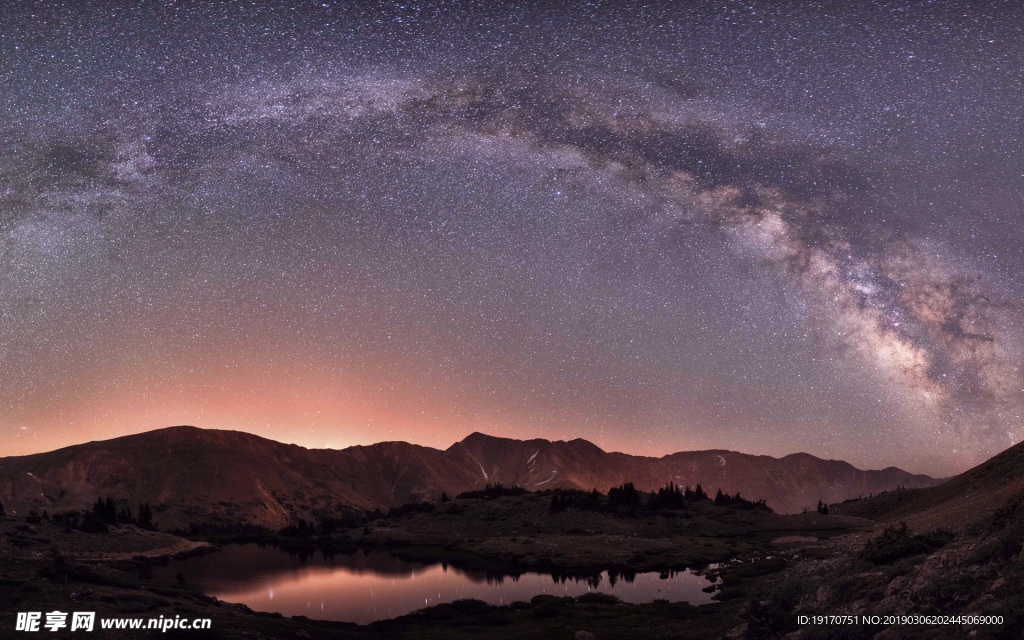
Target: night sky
<point>766,227</point>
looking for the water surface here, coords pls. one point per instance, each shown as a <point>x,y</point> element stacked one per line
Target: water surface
<point>364,587</point>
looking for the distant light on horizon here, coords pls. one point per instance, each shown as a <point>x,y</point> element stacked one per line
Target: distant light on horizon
<point>328,227</point>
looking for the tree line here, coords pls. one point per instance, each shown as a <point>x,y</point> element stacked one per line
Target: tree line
<point>99,519</point>
<point>626,498</point>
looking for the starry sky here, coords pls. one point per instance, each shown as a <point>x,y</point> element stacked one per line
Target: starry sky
<point>766,227</point>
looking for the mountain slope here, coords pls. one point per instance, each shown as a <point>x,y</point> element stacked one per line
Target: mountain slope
<point>976,491</point>
<point>208,475</point>
<point>201,475</point>
<point>789,485</point>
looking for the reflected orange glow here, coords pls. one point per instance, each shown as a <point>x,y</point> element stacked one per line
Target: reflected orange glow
<point>373,587</point>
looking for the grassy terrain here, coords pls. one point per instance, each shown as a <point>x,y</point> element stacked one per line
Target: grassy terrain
<point>20,539</point>
<point>521,530</point>
<point>942,562</point>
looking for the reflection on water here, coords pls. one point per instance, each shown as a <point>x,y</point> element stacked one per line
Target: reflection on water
<point>364,587</point>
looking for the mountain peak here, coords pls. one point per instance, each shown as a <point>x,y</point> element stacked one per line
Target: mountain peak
<point>478,436</point>
<point>580,443</point>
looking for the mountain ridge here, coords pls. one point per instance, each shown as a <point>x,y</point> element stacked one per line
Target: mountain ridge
<point>193,475</point>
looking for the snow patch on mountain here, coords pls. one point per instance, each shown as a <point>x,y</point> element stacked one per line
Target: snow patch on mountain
<point>553,474</point>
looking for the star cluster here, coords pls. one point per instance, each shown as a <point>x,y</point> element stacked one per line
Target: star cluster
<point>767,227</point>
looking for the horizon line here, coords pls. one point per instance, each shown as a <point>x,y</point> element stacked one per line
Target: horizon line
<point>475,432</point>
